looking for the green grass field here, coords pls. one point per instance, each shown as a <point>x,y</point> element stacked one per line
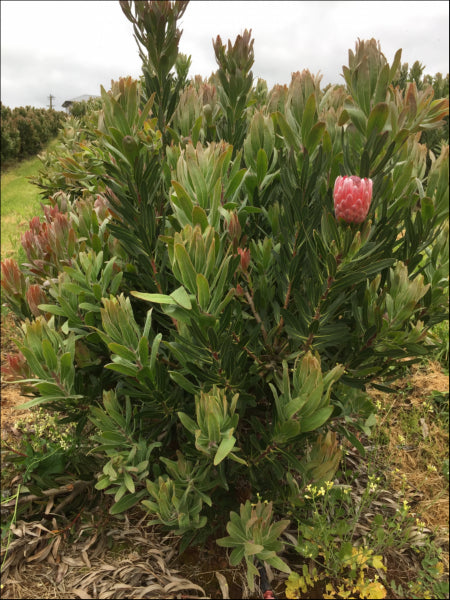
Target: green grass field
<point>20,202</point>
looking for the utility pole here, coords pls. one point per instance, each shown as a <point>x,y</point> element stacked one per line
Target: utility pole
<point>50,98</point>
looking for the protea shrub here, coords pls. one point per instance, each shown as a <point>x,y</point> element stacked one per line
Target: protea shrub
<point>276,252</point>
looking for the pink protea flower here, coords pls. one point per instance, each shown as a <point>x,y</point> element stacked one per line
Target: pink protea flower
<point>352,197</point>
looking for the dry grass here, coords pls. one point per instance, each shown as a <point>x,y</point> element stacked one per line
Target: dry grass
<point>417,442</point>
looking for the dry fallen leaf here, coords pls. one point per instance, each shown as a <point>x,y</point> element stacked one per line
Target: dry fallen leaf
<point>223,585</point>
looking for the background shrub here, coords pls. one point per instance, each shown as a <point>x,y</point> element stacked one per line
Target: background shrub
<point>26,130</point>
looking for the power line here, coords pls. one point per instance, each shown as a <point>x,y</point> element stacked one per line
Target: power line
<point>50,98</point>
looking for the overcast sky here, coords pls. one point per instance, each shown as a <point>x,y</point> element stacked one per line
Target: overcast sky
<point>68,48</point>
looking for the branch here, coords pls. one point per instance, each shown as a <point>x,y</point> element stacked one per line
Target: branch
<point>74,488</point>
<point>288,293</point>
<point>318,313</point>
<point>256,315</point>
<point>249,352</point>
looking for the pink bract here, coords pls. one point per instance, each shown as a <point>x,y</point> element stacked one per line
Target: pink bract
<point>352,197</point>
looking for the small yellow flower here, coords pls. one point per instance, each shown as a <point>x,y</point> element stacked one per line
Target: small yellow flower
<point>420,523</point>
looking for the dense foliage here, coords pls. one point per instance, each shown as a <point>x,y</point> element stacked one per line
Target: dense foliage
<point>26,130</point>
<point>432,138</point>
<point>190,299</point>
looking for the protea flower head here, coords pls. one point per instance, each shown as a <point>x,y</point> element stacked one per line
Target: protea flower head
<point>352,197</point>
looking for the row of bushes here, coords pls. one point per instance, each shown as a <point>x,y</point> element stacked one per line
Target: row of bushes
<point>25,130</point>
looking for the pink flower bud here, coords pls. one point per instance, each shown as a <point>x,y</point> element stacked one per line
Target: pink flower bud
<point>239,290</point>
<point>245,258</point>
<point>234,227</point>
<point>352,197</point>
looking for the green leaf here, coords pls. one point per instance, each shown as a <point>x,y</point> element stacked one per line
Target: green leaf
<point>183,382</point>
<point>190,424</point>
<point>279,564</point>
<point>199,217</point>
<point>358,119</point>
<point>186,267</point>
<point>364,167</point>
<point>143,350</point>
<point>124,369</point>
<point>181,297</point>
<point>196,130</point>
<point>382,84</point>
<point>103,483</point>
<point>122,351</point>
<point>178,297</point>
<point>116,283</point>
<point>236,556</point>
<point>49,355</point>
<point>234,184</point>
<point>308,116</point>
<point>344,117</point>
<point>377,118</point>
<point>53,309</point>
<point>112,438</point>
<point>49,389</point>
<point>182,199</point>
<point>427,208</point>
<point>89,306</point>
<point>262,164</point>
<point>252,548</point>
<point>316,420</point>
<point>285,129</point>
<point>155,347</point>
<point>126,502</point>
<point>33,362</point>
<point>157,298</point>
<point>314,136</point>
<point>226,542</point>
<point>129,483</point>
<point>44,399</point>
<point>395,64</point>
<point>67,370</point>
<point>225,447</point>
<point>203,293</point>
